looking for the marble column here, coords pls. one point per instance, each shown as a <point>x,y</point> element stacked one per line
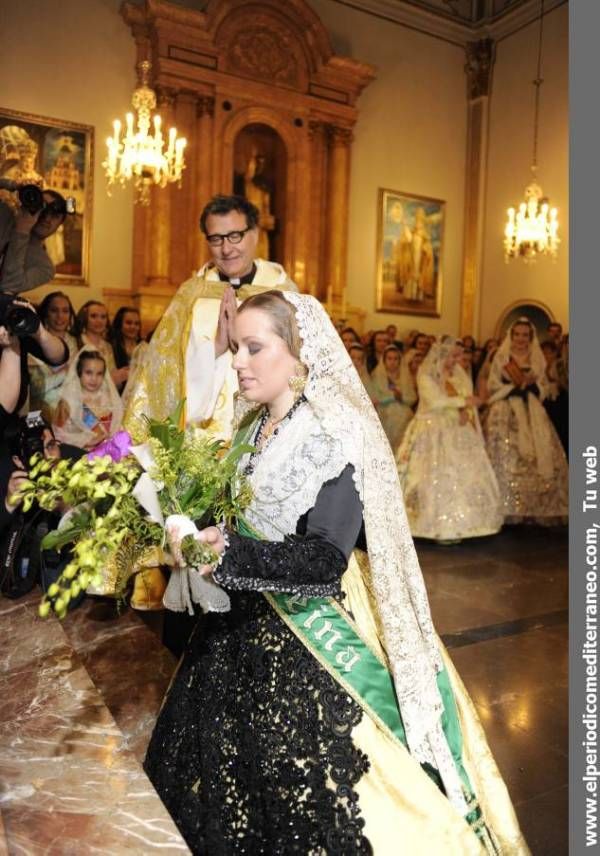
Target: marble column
<point>338,184</point>
<point>479,63</point>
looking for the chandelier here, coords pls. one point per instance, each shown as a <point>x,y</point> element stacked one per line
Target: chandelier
<point>140,155</point>
<point>532,229</point>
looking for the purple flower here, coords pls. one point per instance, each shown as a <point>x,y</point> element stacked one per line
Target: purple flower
<point>117,447</point>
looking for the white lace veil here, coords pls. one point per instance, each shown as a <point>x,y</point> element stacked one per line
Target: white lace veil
<point>433,364</point>
<point>345,412</point>
<point>380,372</point>
<point>75,430</point>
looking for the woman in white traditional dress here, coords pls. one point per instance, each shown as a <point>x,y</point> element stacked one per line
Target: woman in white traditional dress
<point>57,315</point>
<point>393,395</point>
<point>320,714</point>
<point>523,446</point>
<point>449,486</point>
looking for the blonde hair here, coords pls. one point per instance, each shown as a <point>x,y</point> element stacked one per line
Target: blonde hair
<point>282,315</point>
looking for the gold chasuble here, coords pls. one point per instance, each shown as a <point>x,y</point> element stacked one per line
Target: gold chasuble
<point>163,380</point>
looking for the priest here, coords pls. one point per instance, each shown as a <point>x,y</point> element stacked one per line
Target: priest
<point>189,355</point>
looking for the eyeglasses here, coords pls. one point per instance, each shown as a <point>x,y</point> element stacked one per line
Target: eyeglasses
<point>233,237</point>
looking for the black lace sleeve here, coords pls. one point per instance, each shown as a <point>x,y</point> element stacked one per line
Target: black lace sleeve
<point>309,566</point>
<point>310,562</point>
<point>517,392</point>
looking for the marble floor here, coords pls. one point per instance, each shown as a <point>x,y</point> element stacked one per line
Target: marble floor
<point>501,607</point>
<point>79,699</point>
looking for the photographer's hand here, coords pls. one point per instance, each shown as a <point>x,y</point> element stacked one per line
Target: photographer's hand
<point>25,221</point>
<point>7,340</point>
<point>17,477</point>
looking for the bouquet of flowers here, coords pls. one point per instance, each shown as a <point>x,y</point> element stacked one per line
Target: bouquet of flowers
<point>120,498</point>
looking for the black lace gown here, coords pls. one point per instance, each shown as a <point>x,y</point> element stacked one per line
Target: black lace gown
<point>252,752</point>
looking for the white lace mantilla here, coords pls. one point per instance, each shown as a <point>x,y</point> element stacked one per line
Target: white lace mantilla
<point>290,473</point>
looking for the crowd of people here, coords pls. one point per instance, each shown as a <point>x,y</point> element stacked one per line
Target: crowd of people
<point>81,397</point>
<point>321,712</point>
<point>480,434</point>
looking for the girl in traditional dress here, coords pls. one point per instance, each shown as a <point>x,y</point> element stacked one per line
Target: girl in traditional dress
<point>523,446</point>
<point>359,361</point>
<point>91,328</point>
<point>393,400</point>
<point>89,410</point>
<point>349,337</point>
<point>124,336</point>
<point>409,368</point>
<point>448,483</point>
<point>321,713</point>
<point>57,315</point>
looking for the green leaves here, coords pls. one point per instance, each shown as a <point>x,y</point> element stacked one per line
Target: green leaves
<point>194,475</point>
<point>168,432</point>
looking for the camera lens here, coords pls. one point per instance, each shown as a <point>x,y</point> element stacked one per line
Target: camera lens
<point>21,321</point>
<point>31,198</point>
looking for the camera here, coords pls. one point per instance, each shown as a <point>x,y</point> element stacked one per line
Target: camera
<point>32,199</point>
<point>28,436</point>
<point>19,318</point>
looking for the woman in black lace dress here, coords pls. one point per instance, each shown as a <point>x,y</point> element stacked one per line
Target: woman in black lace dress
<point>319,714</point>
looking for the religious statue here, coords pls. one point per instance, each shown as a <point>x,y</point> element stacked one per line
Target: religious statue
<point>256,190</point>
<point>18,153</point>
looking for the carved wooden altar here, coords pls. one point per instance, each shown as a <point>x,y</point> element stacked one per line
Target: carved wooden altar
<point>216,72</point>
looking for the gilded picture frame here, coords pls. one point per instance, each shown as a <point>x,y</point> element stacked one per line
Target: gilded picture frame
<point>410,232</point>
<point>57,155</point>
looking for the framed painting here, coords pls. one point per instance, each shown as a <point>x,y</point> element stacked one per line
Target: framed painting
<point>56,155</point>
<point>409,253</point>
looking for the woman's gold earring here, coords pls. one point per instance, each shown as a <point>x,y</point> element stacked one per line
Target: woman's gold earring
<point>297,381</point>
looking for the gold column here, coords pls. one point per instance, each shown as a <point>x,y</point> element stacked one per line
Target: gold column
<point>338,183</point>
<point>160,212</point>
<point>203,185</point>
<point>315,279</point>
<point>478,67</point>
<point>183,198</point>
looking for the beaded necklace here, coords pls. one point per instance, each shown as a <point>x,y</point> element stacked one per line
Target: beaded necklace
<point>263,437</point>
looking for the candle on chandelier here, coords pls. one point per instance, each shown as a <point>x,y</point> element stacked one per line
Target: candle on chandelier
<point>179,147</point>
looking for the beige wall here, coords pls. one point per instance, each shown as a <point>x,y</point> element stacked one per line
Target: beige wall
<point>410,136</point>
<point>510,151</point>
<point>76,61</point>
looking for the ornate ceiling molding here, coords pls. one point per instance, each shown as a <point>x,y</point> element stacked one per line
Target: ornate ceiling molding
<point>452,21</point>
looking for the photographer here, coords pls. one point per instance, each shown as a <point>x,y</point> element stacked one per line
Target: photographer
<point>21,334</point>
<point>23,562</point>
<point>24,262</point>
